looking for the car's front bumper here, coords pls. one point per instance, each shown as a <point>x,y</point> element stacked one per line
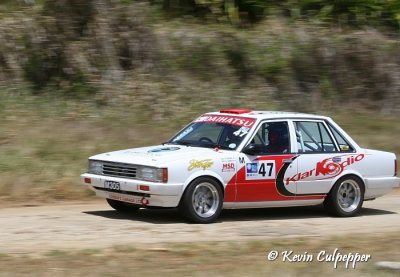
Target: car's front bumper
<point>155,194</point>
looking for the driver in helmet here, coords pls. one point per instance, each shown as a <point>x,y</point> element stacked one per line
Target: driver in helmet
<point>278,138</point>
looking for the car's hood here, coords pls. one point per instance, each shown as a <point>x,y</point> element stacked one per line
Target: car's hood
<point>156,155</point>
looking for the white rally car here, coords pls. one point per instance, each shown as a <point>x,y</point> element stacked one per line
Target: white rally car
<point>245,159</point>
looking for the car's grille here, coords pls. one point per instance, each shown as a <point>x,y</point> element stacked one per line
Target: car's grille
<point>119,170</point>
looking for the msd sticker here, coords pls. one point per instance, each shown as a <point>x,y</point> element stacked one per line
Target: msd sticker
<point>261,170</point>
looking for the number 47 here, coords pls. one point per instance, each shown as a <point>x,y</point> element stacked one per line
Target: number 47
<point>262,171</point>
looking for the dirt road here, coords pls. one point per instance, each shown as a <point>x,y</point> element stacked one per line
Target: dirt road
<point>86,226</point>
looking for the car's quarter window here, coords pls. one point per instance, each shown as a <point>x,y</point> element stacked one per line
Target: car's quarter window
<point>313,136</point>
<point>272,138</point>
<point>343,143</point>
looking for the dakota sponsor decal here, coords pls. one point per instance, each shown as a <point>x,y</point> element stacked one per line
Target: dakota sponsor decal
<point>233,120</point>
<point>260,170</point>
<point>228,167</point>
<point>204,164</point>
<point>327,168</point>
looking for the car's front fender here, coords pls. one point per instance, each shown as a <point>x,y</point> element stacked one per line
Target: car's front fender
<point>203,173</point>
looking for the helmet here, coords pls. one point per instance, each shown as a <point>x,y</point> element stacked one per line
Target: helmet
<point>278,133</point>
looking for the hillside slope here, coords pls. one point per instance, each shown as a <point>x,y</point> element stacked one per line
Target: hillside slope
<point>78,81</point>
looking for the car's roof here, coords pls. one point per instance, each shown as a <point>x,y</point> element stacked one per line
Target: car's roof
<point>266,114</point>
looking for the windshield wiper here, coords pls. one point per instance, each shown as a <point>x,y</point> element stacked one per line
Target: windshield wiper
<point>215,145</point>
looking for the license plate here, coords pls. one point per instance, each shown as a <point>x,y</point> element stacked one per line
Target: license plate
<point>112,185</point>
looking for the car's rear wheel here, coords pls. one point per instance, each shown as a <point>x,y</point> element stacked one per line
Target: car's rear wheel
<point>122,206</point>
<point>202,201</point>
<point>346,197</point>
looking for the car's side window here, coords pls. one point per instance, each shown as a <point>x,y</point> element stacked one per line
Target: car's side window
<point>343,144</point>
<point>313,137</point>
<point>272,138</point>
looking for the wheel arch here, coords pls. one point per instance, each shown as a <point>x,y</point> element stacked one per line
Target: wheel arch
<point>349,174</point>
<point>334,205</point>
<point>208,174</point>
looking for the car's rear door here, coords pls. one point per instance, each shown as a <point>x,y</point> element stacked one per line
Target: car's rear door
<point>318,158</point>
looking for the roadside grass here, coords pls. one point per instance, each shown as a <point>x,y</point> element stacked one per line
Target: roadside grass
<point>43,149</point>
<point>45,140</point>
<point>230,258</point>
<point>371,130</point>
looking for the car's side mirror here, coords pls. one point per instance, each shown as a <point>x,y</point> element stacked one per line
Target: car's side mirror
<point>253,149</point>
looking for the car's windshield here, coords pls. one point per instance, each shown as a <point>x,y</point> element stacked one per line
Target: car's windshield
<point>224,132</point>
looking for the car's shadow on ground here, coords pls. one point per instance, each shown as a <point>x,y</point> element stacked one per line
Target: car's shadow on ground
<point>172,216</point>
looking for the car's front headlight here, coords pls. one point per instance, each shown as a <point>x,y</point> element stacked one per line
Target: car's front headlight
<point>152,174</point>
<point>95,167</point>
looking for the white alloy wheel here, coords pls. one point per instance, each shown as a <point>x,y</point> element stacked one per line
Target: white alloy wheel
<point>205,199</point>
<point>202,200</point>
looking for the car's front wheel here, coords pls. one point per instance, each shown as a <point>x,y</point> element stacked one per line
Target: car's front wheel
<point>122,206</point>
<point>346,197</point>
<point>202,201</point>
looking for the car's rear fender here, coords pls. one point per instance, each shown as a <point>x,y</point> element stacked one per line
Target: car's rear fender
<point>348,173</point>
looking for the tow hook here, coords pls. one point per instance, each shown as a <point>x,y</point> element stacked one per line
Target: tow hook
<point>144,202</point>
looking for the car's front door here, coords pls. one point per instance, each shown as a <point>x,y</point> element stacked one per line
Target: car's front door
<point>261,171</point>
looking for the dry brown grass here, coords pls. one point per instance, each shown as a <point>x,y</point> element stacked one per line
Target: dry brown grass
<point>246,258</point>
<point>45,142</point>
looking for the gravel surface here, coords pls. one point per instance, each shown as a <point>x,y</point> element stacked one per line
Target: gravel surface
<point>28,230</point>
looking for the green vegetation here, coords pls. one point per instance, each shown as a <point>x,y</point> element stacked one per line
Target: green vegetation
<point>354,13</point>
<point>87,49</point>
<point>83,77</point>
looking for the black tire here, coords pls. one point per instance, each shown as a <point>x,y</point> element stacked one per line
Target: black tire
<point>122,206</point>
<point>346,197</point>
<point>202,201</point>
